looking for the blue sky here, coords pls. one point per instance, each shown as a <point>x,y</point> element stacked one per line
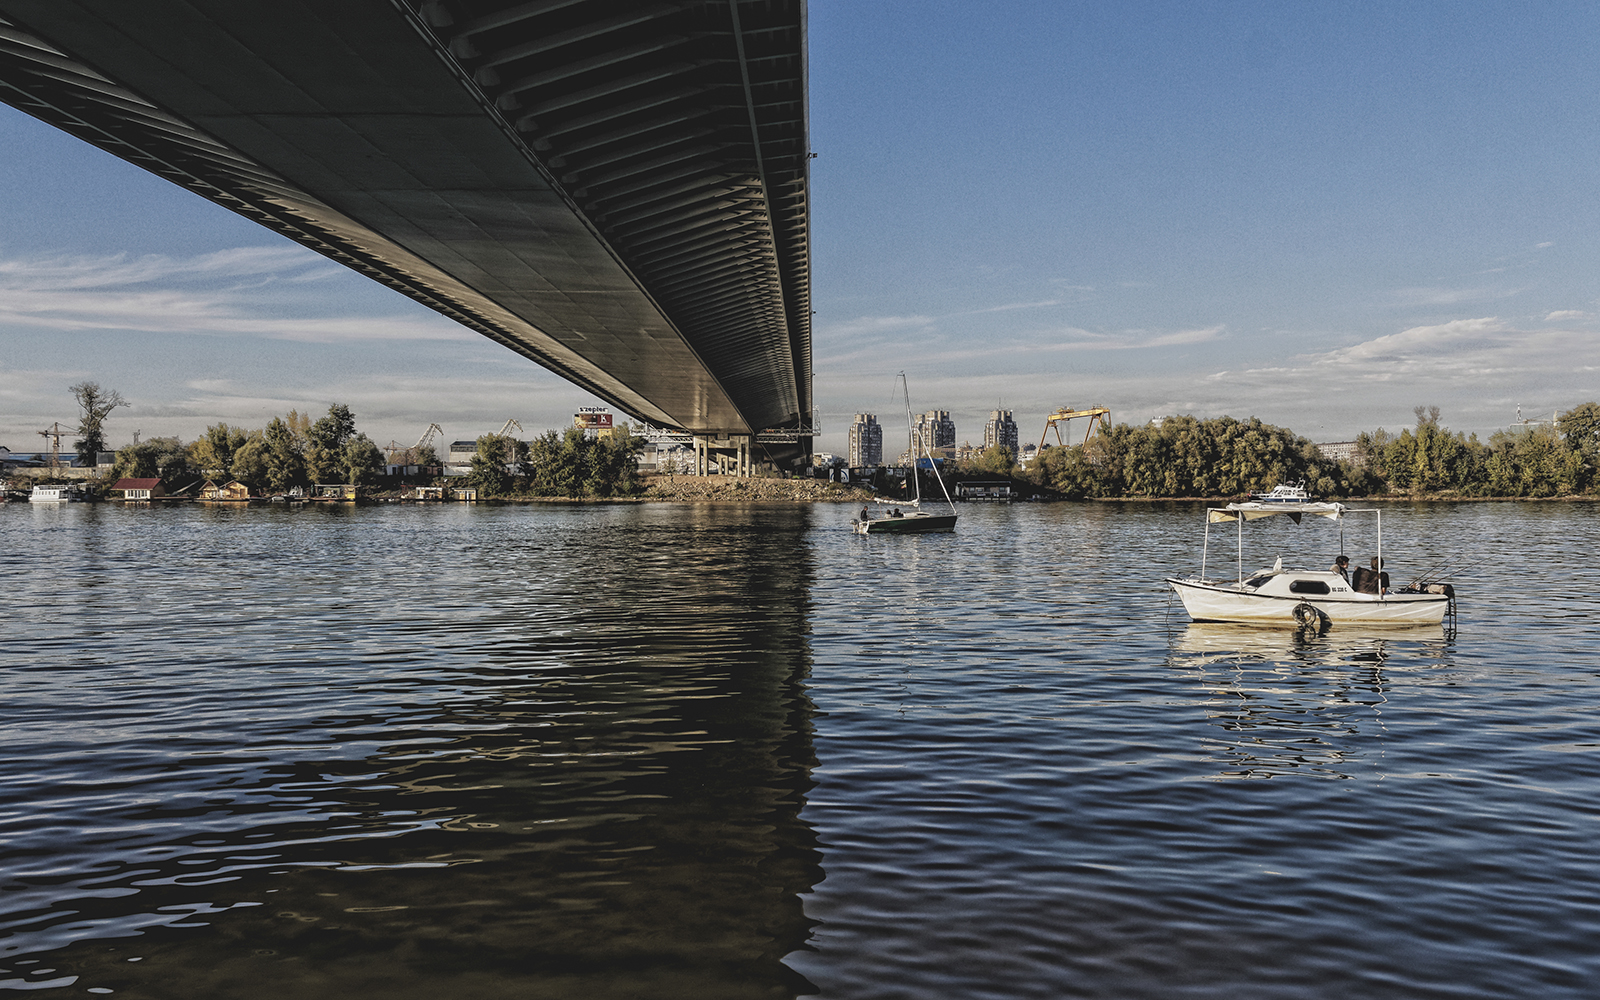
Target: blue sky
<point>1321,215</point>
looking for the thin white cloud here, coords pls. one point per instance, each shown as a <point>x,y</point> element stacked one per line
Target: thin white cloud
<point>1450,296</point>
<point>1202,335</point>
<point>868,325</point>
<point>1563,314</point>
<point>225,293</point>
<point>1010,307</point>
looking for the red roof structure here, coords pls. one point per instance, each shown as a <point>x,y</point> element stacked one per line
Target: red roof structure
<point>137,484</point>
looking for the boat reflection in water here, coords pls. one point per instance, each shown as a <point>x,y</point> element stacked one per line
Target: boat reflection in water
<point>584,780</point>
<point>1299,701</point>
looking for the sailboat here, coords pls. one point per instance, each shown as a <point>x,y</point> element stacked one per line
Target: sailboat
<point>916,521</point>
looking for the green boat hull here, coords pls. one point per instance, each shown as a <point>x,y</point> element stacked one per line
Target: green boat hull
<point>915,523</point>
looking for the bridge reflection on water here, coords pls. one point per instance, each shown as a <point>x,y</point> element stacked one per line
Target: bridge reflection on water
<point>548,785</point>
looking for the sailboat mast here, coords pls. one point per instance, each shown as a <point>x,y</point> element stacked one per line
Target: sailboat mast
<point>911,441</point>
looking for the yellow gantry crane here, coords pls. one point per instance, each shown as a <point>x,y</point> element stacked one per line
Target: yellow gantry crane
<point>1098,415</point>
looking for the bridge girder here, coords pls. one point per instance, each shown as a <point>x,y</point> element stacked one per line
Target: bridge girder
<point>617,190</point>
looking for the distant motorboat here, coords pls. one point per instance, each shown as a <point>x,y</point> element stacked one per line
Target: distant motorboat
<point>1285,493</point>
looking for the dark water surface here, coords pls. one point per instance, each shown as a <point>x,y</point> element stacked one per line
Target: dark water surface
<point>721,751</point>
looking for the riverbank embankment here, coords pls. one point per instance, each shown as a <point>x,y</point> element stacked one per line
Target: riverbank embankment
<point>699,488</point>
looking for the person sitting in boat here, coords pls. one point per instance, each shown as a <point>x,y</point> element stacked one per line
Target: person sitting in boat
<point>1341,566</point>
<point>895,512</point>
<point>866,515</point>
<point>1371,581</point>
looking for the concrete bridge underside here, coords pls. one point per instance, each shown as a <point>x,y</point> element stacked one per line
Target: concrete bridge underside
<point>616,189</point>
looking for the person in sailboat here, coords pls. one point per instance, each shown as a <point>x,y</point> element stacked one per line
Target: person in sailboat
<point>1341,566</point>
<point>866,515</point>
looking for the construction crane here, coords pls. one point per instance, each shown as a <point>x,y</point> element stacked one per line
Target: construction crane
<point>511,445</point>
<point>53,431</point>
<point>1096,414</point>
<point>408,456</point>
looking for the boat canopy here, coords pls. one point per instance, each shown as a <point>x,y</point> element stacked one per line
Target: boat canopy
<point>1254,510</point>
<point>1294,510</point>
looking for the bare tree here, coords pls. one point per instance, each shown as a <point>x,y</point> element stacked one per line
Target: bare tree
<point>96,404</point>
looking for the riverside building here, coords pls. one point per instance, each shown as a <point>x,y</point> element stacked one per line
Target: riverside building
<point>866,442</point>
<point>1000,431</point>
<point>936,432</point>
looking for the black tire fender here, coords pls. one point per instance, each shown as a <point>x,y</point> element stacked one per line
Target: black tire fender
<point>1305,615</point>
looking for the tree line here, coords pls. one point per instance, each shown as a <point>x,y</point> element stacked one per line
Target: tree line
<point>290,451</point>
<point>566,464</point>
<point>295,451</point>
<point>1188,457</point>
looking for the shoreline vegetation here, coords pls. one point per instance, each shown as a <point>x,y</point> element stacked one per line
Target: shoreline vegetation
<point>1176,458</point>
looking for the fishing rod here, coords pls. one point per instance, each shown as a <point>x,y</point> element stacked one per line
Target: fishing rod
<point>1441,570</point>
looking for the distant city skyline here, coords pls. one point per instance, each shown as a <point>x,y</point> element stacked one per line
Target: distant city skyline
<point>1321,216</point>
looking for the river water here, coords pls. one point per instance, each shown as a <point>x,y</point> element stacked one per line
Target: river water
<point>697,751</point>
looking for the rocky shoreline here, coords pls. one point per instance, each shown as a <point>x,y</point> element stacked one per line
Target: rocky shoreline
<point>725,488</point>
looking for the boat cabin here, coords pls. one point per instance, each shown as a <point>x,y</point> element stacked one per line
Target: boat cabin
<point>1297,583</point>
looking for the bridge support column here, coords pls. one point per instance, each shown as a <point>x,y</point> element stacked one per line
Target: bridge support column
<point>733,455</point>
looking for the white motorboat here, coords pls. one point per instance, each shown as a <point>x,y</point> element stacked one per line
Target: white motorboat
<point>1285,493</point>
<point>916,521</point>
<point>1300,597</point>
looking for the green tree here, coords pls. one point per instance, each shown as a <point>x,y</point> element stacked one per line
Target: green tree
<point>326,440</point>
<point>166,458</point>
<point>362,461</point>
<point>250,460</point>
<point>136,461</point>
<point>1426,459</point>
<point>285,466</point>
<point>615,469</point>
<point>995,460</point>
<point>1580,428</point>
<point>94,405</point>
<point>213,452</point>
<point>489,473</point>
<point>573,465</point>
<point>1068,471</point>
